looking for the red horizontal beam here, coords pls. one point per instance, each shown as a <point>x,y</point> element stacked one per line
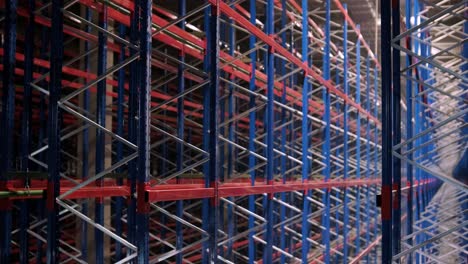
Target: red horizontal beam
<point>197,191</point>
<point>193,189</point>
<point>292,95</point>
<point>353,25</point>
<point>315,106</point>
<point>281,50</point>
<point>366,251</point>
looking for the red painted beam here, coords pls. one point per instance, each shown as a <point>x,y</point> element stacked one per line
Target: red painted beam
<point>315,107</point>
<point>197,191</point>
<point>353,25</point>
<point>281,50</point>
<point>366,251</point>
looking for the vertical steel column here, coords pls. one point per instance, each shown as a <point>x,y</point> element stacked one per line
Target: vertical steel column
<point>119,152</point>
<point>133,125</point>
<point>231,136</point>
<point>417,129</point>
<point>144,139</point>
<point>424,126</point>
<point>214,133</point>
<point>252,129</point>
<point>26,127</point>
<point>232,47</point>
<point>222,118</point>
<point>206,224</point>
<point>396,207</point>
<point>55,87</point>
<point>42,134</point>
<point>409,134</point>
<point>305,133</point>
<point>85,146</point>
<point>7,124</point>
<point>358,139</point>
<point>326,144</point>
<point>100,136</point>
<point>164,168</point>
<point>376,150</point>
<point>282,218</point>
<point>338,198</point>
<point>269,125</point>
<point>386,132</point>
<point>368,166</point>
<point>346,139</point>
<point>291,196</point>
<point>180,133</point>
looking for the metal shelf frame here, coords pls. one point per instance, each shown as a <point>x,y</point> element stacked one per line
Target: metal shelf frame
<point>197,132</point>
<point>424,224</point>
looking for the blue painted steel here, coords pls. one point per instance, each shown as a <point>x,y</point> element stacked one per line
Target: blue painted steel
<point>144,139</point>
<point>409,134</point>
<point>230,150</point>
<point>368,167</point>
<point>337,257</point>
<point>386,132</point>
<point>417,142</point>
<point>222,113</point>
<point>42,134</point>
<point>85,147</point>
<point>180,133</point>
<point>232,137</point>
<point>100,135</point>
<point>222,118</point>
<point>269,125</point>
<point>26,127</point>
<point>346,138</point>
<point>326,143</point>
<point>206,133</point>
<point>397,131</point>
<point>163,167</point>
<point>252,128</point>
<point>7,123</point>
<point>119,152</point>
<point>56,61</point>
<point>305,134</point>
<point>358,142</point>
<point>376,152</point>
<point>133,125</point>
<point>282,218</point>
<point>424,75</point>
<point>214,165</point>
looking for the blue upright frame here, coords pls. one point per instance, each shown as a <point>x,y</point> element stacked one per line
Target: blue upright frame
<point>180,132</point>
<point>26,127</point>
<point>305,134</point>
<point>7,123</point>
<point>345,139</point>
<point>252,129</point>
<point>269,125</point>
<point>142,216</point>
<point>326,144</point>
<point>358,141</point>
<point>396,111</point>
<point>85,146</point>
<point>55,87</point>
<point>387,129</point>
<point>100,136</point>
<point>409,134</point>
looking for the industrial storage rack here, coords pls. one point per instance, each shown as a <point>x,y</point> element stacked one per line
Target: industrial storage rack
<point>217,135</point>
<point>425,132</point>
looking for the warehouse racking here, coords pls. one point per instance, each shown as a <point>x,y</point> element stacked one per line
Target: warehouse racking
<point>219,131</point>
